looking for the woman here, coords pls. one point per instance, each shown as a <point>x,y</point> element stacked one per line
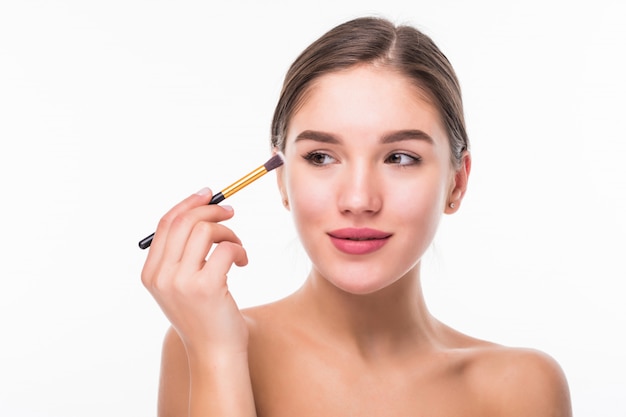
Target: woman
<point>370,122</point>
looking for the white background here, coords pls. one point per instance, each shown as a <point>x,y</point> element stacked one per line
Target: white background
<point>111,112</point>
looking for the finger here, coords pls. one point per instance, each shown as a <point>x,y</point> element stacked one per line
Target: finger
<point>157,246</point>
<point>201,239</point>
<point>182,226</point>
<point>221,259</point>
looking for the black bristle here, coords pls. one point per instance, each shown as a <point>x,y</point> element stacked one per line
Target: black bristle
<point>274,162</point>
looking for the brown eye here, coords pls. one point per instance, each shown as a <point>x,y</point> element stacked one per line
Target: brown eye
<point>402,159</point>
<point>318,158</point>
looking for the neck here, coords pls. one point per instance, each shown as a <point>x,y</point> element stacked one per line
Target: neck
<point>389,320</point>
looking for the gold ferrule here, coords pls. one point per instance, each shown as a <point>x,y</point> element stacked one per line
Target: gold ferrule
<point>238,185</point>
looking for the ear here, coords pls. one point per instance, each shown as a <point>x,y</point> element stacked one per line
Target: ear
<point>280,172</point>
<point>458,186</point>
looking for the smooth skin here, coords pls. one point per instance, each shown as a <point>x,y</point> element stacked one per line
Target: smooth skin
<point>366,149</point>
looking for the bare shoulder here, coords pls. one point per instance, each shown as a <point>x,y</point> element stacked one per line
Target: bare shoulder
<point>174,381</point>
<point>266,316</point>
<point>258,314</point>
<point>519,382</point>
<point>274,334</point>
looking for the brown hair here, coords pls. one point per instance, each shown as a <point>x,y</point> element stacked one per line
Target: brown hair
<point>375,40</point>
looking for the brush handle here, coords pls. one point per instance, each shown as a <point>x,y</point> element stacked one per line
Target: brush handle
<point>147,241</point>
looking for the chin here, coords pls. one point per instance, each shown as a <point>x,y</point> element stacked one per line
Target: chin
<point>360,283</point>
<point>367,279</point>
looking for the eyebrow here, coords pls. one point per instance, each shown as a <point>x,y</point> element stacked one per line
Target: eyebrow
<point>398,136</point>
<point>411,134</point>
<point>317,136</point>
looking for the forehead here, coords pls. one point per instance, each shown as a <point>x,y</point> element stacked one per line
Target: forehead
<point>371,99</point>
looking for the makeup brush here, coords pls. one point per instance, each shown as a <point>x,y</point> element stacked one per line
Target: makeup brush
<point>272,163</point>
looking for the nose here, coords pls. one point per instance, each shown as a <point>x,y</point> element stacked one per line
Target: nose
<point>360,191</point>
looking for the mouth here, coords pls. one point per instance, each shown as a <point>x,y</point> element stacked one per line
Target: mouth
<point>359,234</point>
<point>358,241</point>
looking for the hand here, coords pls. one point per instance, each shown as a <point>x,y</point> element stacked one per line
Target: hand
<point>189,284</point>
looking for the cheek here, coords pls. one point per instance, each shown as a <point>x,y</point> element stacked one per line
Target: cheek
<point>419,203</point>
<point>308,199</point>
<point>413,206</point>
<point>424,192</point>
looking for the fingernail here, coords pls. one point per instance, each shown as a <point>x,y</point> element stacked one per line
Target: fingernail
<point>227,207</point>
<point>204,191</point>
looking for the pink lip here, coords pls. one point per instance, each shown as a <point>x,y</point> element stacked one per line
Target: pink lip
<point>358,241</point>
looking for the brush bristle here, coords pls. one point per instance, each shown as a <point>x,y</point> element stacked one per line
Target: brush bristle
<point>274,162</point>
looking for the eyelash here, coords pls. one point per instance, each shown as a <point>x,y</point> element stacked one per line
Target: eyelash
<point>314,156</point>
<point>414,159</point>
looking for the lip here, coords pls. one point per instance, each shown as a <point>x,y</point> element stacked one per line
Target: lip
<point>358,241</point>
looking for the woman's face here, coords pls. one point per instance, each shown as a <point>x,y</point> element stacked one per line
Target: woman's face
<point>367,176</point>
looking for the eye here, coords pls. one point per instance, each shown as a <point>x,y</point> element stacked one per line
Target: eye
<point>402,159</point>
<point>318,158</point>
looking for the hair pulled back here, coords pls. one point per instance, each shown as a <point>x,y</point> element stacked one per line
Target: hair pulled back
<point>376,41</point>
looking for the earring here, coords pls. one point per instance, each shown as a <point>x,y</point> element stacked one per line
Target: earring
<point>285,202</point>
<point>452,205</point>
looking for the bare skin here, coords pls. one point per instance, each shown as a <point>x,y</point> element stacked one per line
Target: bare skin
<point>347,366</point>
<point>300,367</point>
<point>357,338</point>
